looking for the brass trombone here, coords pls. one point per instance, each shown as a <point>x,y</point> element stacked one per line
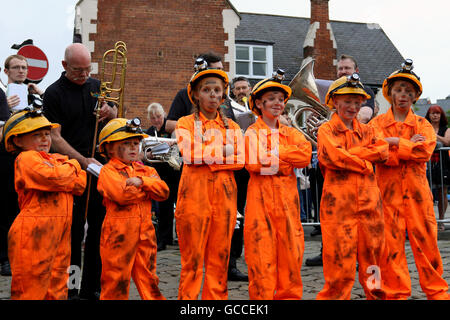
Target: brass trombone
<point>109,91</point>
<point>114,63</point>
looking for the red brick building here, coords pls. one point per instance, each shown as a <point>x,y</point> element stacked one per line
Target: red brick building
<point>162,38</point>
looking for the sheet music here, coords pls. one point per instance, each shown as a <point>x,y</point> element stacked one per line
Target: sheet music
<point>22,91</point>
<point>94,169</point>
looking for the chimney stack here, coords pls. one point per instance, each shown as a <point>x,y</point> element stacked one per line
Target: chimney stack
<point>320,42</point>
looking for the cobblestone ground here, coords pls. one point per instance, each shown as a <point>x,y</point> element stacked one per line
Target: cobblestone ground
<point>168,270</point>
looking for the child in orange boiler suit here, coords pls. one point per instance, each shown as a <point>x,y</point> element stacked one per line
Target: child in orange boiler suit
<point>128,241</point>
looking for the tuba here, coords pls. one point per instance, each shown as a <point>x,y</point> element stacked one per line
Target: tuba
<point>307,118</point>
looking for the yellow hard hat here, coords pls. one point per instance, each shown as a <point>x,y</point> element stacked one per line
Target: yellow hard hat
<point>345,85</point>
<point>202,71</point>
<point>269,84</point>
<point>404,73</point>
<point>25,121</point>
<point>120,129</point>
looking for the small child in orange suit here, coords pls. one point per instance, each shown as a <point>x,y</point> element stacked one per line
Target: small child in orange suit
<point>128,241</point>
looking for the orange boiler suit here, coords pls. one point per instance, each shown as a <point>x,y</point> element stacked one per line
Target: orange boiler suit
<point>207,205</point>
<point>273,233</point>
<point>39,238</point>
<point>351,215</point>
<point>408,206</point>
<point>128,240</point>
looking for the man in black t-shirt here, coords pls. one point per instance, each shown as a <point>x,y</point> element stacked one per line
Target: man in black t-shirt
<point>181,105</point>
<point>68,101</point>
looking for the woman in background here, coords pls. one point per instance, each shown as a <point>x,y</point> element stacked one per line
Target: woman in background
<point>436,116</point>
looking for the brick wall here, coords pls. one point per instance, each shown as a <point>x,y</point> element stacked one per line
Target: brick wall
<point>324,48</point>
<point>162,38</point>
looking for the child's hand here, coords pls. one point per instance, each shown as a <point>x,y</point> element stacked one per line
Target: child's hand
<point>134,181</point>
<point>228,150</point>
<point>417,138</point>
<point>393,141</point>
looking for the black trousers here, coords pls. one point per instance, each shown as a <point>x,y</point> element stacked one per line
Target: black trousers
<point>92,266</point>
<point>9,202</point>
<point>165,212</point>
<point>237,241</point>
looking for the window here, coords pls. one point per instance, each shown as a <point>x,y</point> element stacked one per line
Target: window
<point>253,61</point>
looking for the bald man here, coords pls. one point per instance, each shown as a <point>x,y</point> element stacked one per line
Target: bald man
<point>68,101</point>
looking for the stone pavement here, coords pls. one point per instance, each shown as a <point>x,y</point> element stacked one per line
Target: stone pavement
<point>168,270</point>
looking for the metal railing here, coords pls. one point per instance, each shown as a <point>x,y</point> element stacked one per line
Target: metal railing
<point>312,207</point>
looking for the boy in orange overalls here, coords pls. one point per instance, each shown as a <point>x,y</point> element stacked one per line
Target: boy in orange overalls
<point>407,199</point>
<point>39,238</point>
<point>273,234</point>
<point>351,216</point>
<point>128,240</point>
<point>206,205</point>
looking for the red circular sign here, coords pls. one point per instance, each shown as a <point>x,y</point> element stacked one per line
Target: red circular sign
<point>37,62</point>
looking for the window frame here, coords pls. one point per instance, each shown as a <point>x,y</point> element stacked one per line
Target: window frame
<point>269,60</point>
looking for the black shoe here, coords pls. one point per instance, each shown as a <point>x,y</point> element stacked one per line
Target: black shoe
<point>316,232</point>
<point>5,269</point>
<point>73,295</point>
<point>315,261</point>
<point>90,296</point>
<point>161,246</point>
<point>235,275</point>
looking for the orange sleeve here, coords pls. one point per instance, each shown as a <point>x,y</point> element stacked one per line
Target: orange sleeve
<point>112,185</point>
<point>257,158</point>
<point>297,151</point>
<point>376,151</point>
<point>153,185</point>
<point>35,171</point>
<point>236,161</point>
<point>418,151</point>
<point>393,159</point>
<point>333,156</point>
<point>210,152</point>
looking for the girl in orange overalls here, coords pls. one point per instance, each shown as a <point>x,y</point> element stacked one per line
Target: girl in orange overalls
<point>407,199</point>
<point>128,240</point>
<point>273,234</point>
<point>39,238</point>
<point>351,216</point>
<point>206,205</point>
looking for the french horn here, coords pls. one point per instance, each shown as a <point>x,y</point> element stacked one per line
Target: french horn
<point>307,118</point>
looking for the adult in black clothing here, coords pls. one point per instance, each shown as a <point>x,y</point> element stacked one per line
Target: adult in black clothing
<point>69,102</point>
<point>165,210</point>
<point>181,105</point>
<point>440,161</point>
<point>9,194</point>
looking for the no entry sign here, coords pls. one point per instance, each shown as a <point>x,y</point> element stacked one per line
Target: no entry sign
<point>37,62</point>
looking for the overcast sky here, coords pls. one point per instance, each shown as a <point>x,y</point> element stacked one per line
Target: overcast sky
<point>419,29</point>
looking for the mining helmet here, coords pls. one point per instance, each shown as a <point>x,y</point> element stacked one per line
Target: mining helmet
<point>202,71</point>
<point>269,84</point>
<point>120,129</point>
<point>345,85</point>
<point>24,121</point>
<point>405,73</point>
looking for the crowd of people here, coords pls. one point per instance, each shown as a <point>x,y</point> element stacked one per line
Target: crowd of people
<point>239,189</point>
